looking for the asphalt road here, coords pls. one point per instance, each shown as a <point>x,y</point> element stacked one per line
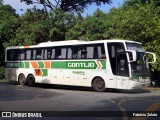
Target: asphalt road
<point>14,97</point>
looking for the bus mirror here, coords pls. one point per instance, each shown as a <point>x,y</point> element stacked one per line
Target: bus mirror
<point>151,57</point>
<point>132,55</point>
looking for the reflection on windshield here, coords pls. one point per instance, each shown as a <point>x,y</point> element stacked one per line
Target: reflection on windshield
<point>140,66</point>
<point>135,46</point>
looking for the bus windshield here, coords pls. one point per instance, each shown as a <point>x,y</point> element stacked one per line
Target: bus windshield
<point>139,68</point>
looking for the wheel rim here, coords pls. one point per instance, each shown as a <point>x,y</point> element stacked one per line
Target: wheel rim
<point>100,84</point>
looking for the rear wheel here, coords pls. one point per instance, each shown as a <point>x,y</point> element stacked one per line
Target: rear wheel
<point>31,80</point>
<point>98,85</point>
<point>22,79</point>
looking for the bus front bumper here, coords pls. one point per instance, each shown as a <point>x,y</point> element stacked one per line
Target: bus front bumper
<point>138,85</point>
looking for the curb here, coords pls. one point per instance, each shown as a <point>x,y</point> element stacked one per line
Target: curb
<point>4,81</point>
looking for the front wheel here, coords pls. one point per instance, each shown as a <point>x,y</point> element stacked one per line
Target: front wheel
<point>31,80</point>
<point>98,85</point>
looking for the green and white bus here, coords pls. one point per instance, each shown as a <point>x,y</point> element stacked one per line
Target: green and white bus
<point>101,64</point>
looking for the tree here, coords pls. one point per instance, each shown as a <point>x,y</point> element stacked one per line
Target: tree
<point>77,29</point>
<point>66,5</point>
<point>89,28</point>
<point>33,28</point>
<point>140,22</point>
<point>8,26</point>
<point>137,2</point>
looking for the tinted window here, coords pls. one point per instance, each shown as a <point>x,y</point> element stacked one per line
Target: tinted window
<point>93,51</point>
<point>114,49</point>
<point>11,55</point>
<point>28,54</point>
<point>60,53</point>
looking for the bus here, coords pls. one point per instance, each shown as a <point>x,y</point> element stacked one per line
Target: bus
<point>100,64</point>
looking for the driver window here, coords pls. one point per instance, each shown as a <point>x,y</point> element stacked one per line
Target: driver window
<point>118,59</point>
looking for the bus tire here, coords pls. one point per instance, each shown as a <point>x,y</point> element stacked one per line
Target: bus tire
<point>98,84</point>
<point>31,80</point>
<point>22,79</point>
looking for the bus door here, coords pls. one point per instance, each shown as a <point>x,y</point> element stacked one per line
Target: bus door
<point>122,71</point>
<point>119,64</point>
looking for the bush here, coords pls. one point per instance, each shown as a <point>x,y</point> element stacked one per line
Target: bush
<point>2,72</point>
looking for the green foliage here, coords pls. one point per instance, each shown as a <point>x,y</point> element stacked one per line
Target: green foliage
<point>33,28</point>
<point>96,26</point>
<point>2,73</point>
<point>8,22</point>
<point>139,23</point>
<point>77,29</point>
<point>154,46</point>
<point>8,26</point>
<point>89,28</point>
<point>137,20</point>
<point>59,20</point>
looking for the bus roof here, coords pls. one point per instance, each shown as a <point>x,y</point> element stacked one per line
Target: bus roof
<point>70,42</point>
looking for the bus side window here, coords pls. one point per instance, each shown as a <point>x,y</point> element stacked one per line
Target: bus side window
<point>28,54</point>
<point>90,51</point>
<point>39,54</point>
<point>61,53</point>
<point>83,52</point>
<point>69,55</point>
<point>11,55</point>
<point>33,54</point>
<point>21,55</point>
<point>53,53</point>
<point>57,53</point>
<point>75,53</point>
<point>101,52</point>
<point>47,54</point>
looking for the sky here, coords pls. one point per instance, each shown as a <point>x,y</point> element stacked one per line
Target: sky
<point>16,4</point>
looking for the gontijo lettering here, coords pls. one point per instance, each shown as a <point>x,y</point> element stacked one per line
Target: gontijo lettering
<point>81,65</point>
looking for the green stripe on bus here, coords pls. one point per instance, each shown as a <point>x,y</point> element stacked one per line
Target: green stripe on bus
<point>26,64</point>
<point>103,62</point>
<point>58,64</point>
<point>79,64</point>
<point>92,64</point>
<point>45,72</point>
<point>40,64</point>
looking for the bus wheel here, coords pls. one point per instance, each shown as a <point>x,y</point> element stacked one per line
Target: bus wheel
<point>98,85</point>
<point>22,79</point>
<point>31,80</point>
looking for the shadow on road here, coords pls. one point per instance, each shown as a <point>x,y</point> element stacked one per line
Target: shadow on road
<point>79,88</point>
